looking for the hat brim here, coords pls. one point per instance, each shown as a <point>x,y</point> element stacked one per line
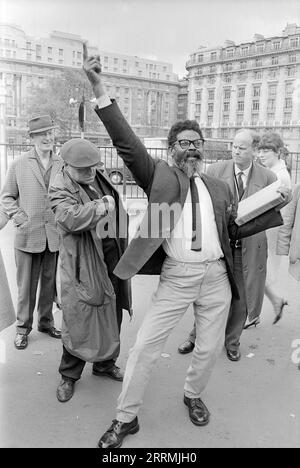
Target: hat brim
<point>41,130</point>
<point>100,163</point>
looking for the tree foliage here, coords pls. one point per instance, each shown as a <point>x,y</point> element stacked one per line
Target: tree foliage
<point>54,96</point>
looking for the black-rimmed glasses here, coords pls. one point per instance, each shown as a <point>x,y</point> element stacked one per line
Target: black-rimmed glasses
<point>185,144</point>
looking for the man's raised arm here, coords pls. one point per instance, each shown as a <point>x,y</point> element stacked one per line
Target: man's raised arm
<point>129,146</point>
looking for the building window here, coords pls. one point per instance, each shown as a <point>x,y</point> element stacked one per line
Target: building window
<point>199,58</point>
<point>198,109</point>
<point>60,52</point>
<point>28,56</point>
<point>255,104</point>
<point>271,104</point>
<point>273,73</point>
<point>243,65</point>
<point>225,119</point>
<point>274,61</point>
<point>230,53</point>
<point>245,50</point>
<point>294,42</point>
<point>256,91</point>
<point>240,105</point>
<point>28,45</point>
<point>287,117</point>
<point>227,67</point>
<point>49,59</point>
<point>292,58</point>
<point>239,119</point>
<point>270,118</point>
<point>288,104</point>
<point>38,49</point>
<point>276,45</point>
<point>209,119</point>
<point>211,94</point>
<point>224,133</point>
<point>213,56</point>
<point>272,90</point>
<point>257,75</point>
<point>199,71</point>
<point>241,92</point>
<point>115,61</point>
<point>242,76</point>
<point>258,62</point>
<point>212,69</point>
<point>291,71</point>
<point>227,93</point>
<point>227,78</point>
<point>8,53</point>
<point>210,107</point>
<point>208,133</point>
<point>289,88</point>
<point>226,106</point>
<point>199,95</point>
<point>254,119</point>
<point>49,50</point>
<point>260,48</point>
<point>211,79</point>
<point>137,64</point>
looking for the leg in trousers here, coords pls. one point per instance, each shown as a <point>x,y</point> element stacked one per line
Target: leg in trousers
<point>238,310</point>
<point>177,289</point>
<point>47,289</point>
<point>71,367</point>
<point>211,312</point>
<point>28,271</point>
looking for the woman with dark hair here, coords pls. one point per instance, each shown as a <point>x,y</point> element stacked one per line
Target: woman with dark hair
<point>270,149</point>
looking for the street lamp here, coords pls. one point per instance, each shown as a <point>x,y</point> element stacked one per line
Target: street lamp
<point>81,111</point>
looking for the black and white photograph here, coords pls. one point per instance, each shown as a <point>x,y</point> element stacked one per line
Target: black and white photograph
<point>149,226</point>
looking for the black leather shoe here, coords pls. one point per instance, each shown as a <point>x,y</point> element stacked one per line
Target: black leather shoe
<point>53,332</point>
<point>65,390</point>
<point>113,373</point>
<point>21,341</point>
<point>233,355</point>
<point>186,347</point>
<point>113,438</point>
<point>198,412</point>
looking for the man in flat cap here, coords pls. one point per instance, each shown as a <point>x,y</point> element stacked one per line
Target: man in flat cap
<point>91,221</point>
<point>24,199</point>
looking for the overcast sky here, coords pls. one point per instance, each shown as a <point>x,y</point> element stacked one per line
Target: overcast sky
<point>167,30</point>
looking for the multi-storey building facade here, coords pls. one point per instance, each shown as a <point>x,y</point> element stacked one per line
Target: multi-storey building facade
<point>254,84</point>
<point>146,90</point>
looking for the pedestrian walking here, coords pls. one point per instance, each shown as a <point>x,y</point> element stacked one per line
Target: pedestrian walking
<point>25,200</point>
<point>269,152</point>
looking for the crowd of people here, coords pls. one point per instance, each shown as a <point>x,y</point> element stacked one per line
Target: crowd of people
<point>67,204</point>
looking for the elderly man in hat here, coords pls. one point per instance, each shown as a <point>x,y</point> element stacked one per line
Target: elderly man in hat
<point>91,222</point>
<point>25,200</point>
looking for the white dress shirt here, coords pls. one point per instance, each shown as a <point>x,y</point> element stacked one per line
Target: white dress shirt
<point>179,245</point>
<point>245,175</point>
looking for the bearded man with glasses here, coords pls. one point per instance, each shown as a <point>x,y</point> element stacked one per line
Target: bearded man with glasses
<point>191,252</point>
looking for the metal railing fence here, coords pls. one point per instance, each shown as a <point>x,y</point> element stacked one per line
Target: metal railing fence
<point>122,177</point>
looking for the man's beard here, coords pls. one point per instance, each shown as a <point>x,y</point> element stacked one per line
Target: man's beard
<point>190,166</point>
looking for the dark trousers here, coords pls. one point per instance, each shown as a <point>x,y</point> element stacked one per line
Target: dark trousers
<point>71,366</point>
<point>33,268</point>
<point>238,310</point>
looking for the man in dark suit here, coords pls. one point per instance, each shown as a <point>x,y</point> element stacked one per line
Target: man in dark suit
<point>190,249</point>
<point>244,177</point>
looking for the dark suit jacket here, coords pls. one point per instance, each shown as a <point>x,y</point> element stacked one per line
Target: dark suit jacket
<point>168,184</point>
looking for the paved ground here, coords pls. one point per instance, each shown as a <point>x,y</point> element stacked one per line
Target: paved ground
<point>254,403</point>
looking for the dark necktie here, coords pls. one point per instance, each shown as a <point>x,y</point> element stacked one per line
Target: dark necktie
<point>240,185</point>
<point>196,217</point>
